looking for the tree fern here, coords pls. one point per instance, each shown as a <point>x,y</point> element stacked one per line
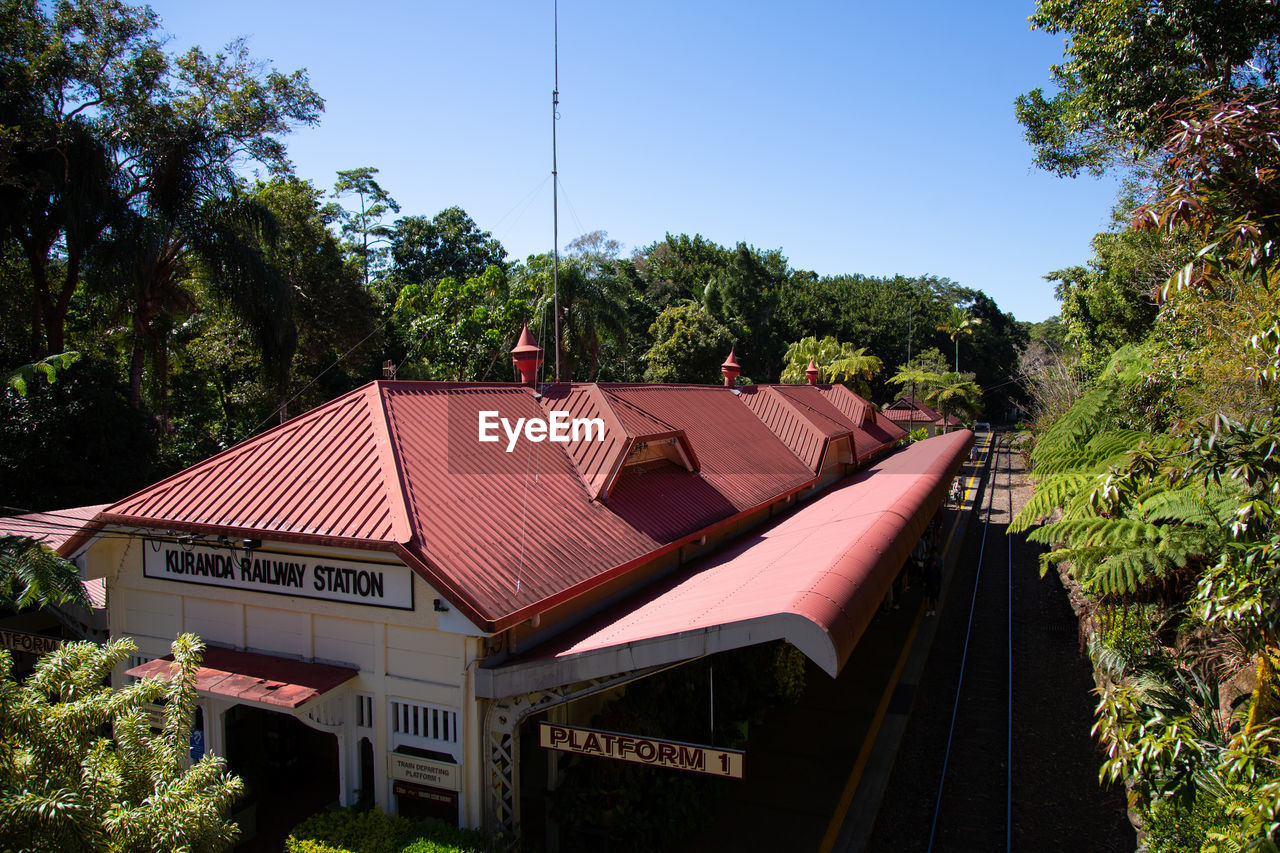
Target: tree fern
<point>1182,506</point>
<point>1123,572</point>
<point>1081,422</point>
<point>1098,531</point>
<point>1053,492</point>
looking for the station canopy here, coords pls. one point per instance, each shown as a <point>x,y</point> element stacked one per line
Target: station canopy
<point>815,578</point>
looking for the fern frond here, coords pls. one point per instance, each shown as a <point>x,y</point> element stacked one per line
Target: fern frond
<point>1124,572</point>
<point>1115,442</point>
<point>1074,429</point>
<point>1182,506</point>
<point>1099,532</point>
<point>1050,493</point>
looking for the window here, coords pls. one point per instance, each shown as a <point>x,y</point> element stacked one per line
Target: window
<point>429,727</point>
<point>364,711</point>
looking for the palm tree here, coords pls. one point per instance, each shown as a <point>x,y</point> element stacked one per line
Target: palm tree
<point>856,366</point>
<point>799,354</point>
<point>836,361</point>
<point>593,302</point>
<point>32,576</point>
<point>961,322</point>
<point>955,395</point>
<point>191,220</point>
<point>917,378</point>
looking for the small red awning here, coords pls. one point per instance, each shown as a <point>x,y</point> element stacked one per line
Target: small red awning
<point>253,677</point>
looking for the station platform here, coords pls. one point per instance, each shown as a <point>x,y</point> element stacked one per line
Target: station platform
<point>819,769</point>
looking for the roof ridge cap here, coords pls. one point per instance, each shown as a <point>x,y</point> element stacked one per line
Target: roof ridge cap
<point>389,458</point>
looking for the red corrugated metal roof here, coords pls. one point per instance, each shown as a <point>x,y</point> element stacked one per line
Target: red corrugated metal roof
<point>908,416</point>
<point>399,467</point>
<point>814,578</point>
<point>253,677</point>
<point>740,457</point>
<point>875,434</point>
<point>881,429</point>
<point>625,428</point>
<point>329,473</point>
<point>805,430</point>
<point>52,529</point>
<point>920,416</point>
<point>908,401</point>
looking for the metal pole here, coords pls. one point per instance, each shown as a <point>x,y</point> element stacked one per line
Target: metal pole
<point>555,199</point>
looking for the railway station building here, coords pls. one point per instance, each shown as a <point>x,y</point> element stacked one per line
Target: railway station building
<point>396,584</point>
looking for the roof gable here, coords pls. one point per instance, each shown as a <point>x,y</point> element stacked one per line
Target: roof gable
<point>328,474</point>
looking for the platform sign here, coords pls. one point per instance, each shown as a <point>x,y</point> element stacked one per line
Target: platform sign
<point>643,750</point>
<point>424,771</point>
<point>35,644</point>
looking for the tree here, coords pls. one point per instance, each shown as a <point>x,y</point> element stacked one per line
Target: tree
<point>594,304</point>
<point>462,331</point>
<point>32,576</point>
<point>678,267</point>
<point>424,251</point>
<point>922,374</point>
<point>46,367</point>
<point>835,361</point>
<point>956,395</point>
<point>54,443</point>
<point>892,317</point>
<point>1127,62</point>
<point>335,317</point>
<point>1220,183</point>
<point>1162,480</point>
<point>689,345</point>
<point>364,227</point>
<point>744,296</point>
<point>70,76</point>
<point>65,786</point>
<point>959,322</point>
<point>124,162</point>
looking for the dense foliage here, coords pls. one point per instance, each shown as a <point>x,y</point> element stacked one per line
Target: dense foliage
<point>1156,451</point>
<point>356,831</point>
<point>81,770</point>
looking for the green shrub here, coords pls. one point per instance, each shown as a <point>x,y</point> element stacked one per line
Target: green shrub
<point>353,831</point>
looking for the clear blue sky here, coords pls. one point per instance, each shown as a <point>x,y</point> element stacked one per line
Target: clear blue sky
<point>858,137</point>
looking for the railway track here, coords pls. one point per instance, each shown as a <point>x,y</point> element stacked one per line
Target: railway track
<point>972,807</point>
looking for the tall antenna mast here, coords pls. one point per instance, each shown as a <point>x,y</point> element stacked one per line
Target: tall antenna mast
<point>555,199</point>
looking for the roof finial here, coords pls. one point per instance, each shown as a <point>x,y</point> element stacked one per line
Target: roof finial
<point>812,372</point>
<point>730,369</point>
<point>527,356</point>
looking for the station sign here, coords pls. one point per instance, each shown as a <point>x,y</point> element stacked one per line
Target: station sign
<point>32,644</point>
<point>230,567</point>
<point>424,771</point>
<point>643,750</point>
